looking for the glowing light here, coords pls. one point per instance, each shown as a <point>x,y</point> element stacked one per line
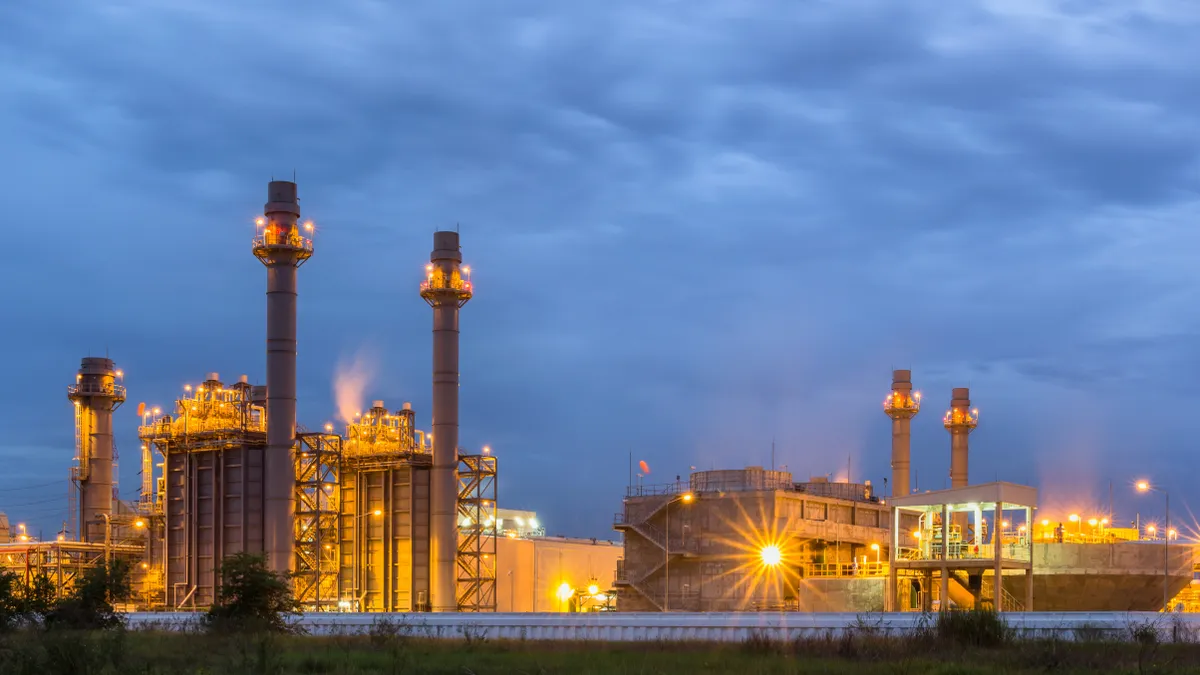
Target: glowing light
<point>1142,486</point>
<point>466,269</point>
<point>429,268</point>
<point>145,566</point>
<point>328,427</point>
<point>1074,518</point>
<point>260,221</point>
<point>1171,533</point>
<point>874,547</point>
<point>916,534</point>
<point>139,523</point>
<point>1104,521</point>
<point>1151,529</point>
<point>1021,528</point>
<point>377,512</point>
<point>121,373</point>
<point>156,411</point>
<point>1004,523</point>
<point>565,592</point>
<point>771,555</point>
<point>308,225</point>
<point>1093,522</point>
<point>687,498</point>
<point>533,523</point>
<point>593,589</point>
<point>487,449</point>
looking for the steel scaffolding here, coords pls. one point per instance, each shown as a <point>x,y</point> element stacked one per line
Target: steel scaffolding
<point>476,542</point>
<point>318,460</point>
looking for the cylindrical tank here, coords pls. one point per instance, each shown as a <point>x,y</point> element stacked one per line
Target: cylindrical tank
<point>96,394</point>
<point>282,247</point>
<point>446,291</point>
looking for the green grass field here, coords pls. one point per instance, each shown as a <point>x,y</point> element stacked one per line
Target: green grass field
<point>119,652</point>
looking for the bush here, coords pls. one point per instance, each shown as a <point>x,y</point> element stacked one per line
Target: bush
<point>974,628</point>
<point>252,598</point>
<point>89,605</point>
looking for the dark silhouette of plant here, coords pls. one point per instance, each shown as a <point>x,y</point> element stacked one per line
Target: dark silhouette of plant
<point>89,605</point>
<point>252,598</point>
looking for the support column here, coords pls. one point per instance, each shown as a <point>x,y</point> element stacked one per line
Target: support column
<point>997,539</point>
<point>1029,589</point>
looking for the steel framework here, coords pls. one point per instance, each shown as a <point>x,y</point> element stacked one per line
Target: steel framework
<point>476,542</point>
<point>317,530</point>
<point>63,561</point>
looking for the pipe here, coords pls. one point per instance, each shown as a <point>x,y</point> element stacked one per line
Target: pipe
<point>282,248</point>
<point>96,394</point>
<point>960,421</point>
<point>902,404</point>
<point>446,291</point>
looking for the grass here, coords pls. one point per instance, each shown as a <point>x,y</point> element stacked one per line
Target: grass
<point>963,645</point>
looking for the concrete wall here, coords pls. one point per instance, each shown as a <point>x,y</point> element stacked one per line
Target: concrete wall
<point>1126,576</point>
<point>530,571</point>
<point>841,595</point>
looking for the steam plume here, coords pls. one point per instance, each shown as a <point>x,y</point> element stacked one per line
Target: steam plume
<point>350,382</point>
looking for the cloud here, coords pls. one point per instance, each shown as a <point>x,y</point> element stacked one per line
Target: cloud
<point>695,227</point>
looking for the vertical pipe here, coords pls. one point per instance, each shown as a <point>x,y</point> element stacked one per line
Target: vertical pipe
<point>282,247</point>
<point>446,291</point>
<point>902,404</point>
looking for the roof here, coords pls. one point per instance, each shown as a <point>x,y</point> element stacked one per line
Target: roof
<point>1008,493</point>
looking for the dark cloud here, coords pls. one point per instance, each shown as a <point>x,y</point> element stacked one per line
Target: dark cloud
<point>696,227</point>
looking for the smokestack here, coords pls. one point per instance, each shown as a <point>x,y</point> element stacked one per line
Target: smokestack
<point>960,421</point>
<point>282,246</point>
<point>446,290</point>
<point>902,404</point>
<point>96,395</point>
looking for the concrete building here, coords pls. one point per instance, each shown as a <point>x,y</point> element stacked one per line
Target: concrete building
<point>752,539</point>
<point>554,574</point>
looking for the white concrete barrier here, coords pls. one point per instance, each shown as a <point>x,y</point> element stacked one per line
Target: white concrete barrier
<point>709,627</point>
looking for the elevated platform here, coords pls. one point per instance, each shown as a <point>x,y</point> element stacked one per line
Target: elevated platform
<point>954,539</point>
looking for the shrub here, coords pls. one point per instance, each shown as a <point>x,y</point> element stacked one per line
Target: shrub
<point>89,605</point>
<point>252,598</point>
<point>974,628</point>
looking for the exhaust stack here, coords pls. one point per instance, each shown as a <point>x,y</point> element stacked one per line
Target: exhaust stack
<point>446,290</point>
<point>282,245</point>
<point>960,421</point>
<point>902,404</point>
<point>96,395</point>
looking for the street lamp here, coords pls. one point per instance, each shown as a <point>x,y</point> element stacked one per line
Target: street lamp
<point>1145,486</point>
<point>686,498</point>
<point>875,547</point>
<point>771,555</point>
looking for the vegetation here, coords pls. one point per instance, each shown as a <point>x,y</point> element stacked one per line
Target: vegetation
<point>252,598</point>
<point>248,632</point>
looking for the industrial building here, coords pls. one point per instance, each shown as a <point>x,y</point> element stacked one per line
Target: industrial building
<point>754,539</point>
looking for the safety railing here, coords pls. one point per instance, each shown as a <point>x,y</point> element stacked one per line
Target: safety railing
<point>269,239</point>
<point>1018,551</point>
<point>841,570</point>
<point>96,388</point>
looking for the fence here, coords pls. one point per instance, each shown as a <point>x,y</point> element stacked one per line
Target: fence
<point>708,627</point>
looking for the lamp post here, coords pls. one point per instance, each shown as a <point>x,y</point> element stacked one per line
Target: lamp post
<point>1145,486</point>
<point>686,498</point>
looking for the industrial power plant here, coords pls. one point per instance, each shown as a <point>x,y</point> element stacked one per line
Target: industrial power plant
<point>382,516</point>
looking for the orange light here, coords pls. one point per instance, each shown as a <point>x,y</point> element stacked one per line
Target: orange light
<point>139,523</point>
<point>687,498</point>
<point>378,512</point>
<point>771,555</point>
<point>1142,486</point>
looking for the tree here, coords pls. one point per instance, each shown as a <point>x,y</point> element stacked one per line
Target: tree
<point>89,605</point>
<point>252,598</point>
<point>10,601</point>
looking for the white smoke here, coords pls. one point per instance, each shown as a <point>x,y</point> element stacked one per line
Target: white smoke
<point>350,381</point>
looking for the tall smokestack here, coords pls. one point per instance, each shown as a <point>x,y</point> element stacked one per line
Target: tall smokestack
<point>446,290</point>
<point>283,246</point>
<point>960,421</point>
<point>96,395</point>
<point>902,404</point>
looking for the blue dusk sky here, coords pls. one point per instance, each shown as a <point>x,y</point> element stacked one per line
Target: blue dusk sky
<point>694,226</point>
